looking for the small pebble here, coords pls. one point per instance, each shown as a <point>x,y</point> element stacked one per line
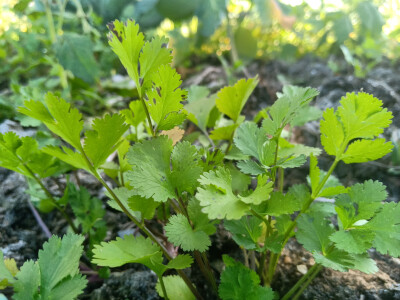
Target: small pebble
<point>287,260</point>
<point>302,269</point>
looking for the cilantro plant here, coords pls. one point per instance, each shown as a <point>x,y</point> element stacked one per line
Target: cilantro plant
<point>191,185</point>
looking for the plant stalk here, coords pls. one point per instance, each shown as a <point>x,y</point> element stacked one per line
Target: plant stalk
<point>163,287</point>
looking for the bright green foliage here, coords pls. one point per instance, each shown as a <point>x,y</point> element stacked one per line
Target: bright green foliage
<point>58,116</point>
<point>54,276</point>
<point>103,139</point>
<point>280,204</point>
<point>176,288</point>
<point>361,203</point>
<point>152,176</point>
<point>386,226</point>
<point>360,116</point>
<point>136,250</point>
<point>164,99</point>
<point>245,232</point>
<point>200,219</point>
<point>124,194</point>
<point>68,156</point>
<point>219,201</point>
<point>343,261</point>
<point>353,241</point>
<point>239,282</point>
<point>180,233</point>
<point>8,269</point>
<point>230,100</point>
<point>146,207</point>
<point>313,232</point>
<point>286,107</point>
<point>200,106</point>
<point>250,139</point>
<point>22,155</point>
<point>135,114</point>
<point>223,133</point>
<point>127,42</point>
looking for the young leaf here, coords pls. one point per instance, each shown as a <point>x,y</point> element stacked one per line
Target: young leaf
<point>239,282</point>
<point>230,100</point>
<point>68,156</point>
<point>164,99</point>
<point>250,167</point>
<point>176,288</point>
<point>180,262</point>
<point>223,133</point>
<point>245,232</point>
<point>366,150</point>
<point>126,41</point>
<point>180,233</point>
<point>356,241</point>
<point>27,282</point>
<point>8,269</point>
<point>250,139</point>
<point>135,114</point>
<point>200,219</point>
<point>314,174</point>
<point>261,193</point>
<point>103,139</point>
<point>386,226</point>
<point>58,116</point>
<point>200,105</point>
<point>286,107</point>
<point>217,198</point>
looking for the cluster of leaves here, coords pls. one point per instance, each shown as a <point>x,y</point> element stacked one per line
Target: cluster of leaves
<point>191,187</point>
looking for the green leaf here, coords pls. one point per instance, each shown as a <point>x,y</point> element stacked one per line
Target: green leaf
<point>58,116</point>
<point>386,226</point>
<point>164,99</point>
<point>200,105</point>
<point>27,281</point>
<point>230,100</point>
<point>314,174</point>
<point>125,196</point>
<point>6,275</point>
<point>261,193</point>
<point>250,167</point>
<point>223,133</point>
<point>286,107</point>
<point>59,263</point>
<point>135,114</point>
<point>128,250</point>
<point>19,154</point>
<point>306,114</point>
<point>239,282</point>
<point>280,204</point>
<point>240,181</point>
<point>87,210</point>
<point>342,27</point>
<point>343,262</point>
<point>361,202</point>
<point>245,232</point>
<point>151,175</point>
<point>75,53</point>
<point>68,156</point>
<point>370,17</point>
<point>180,233</point>
<point>180,262</point>
<point>127,42</point>
<point>154,55</point>
<point>146,207</point>
<point>332,132</point>
<point>216,196</point>
<point>250,139</point>
<point>103,139</point>
<point>200,219</point>
<point>292,162</point>
<point>313,232</point>
<point>356,241</point>
<point>176,288</point>
<point>366,150</point>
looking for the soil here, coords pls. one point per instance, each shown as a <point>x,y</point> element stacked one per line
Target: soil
<point>21,237</point>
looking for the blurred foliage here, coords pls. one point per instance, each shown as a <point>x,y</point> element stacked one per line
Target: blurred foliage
<point>59,45</point>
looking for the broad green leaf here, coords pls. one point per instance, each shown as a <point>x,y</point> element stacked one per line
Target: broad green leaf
<point>286,107</point>
<point>250,139</point>
<point>152,176</point>
<point>343,261</point>
<point>27,281</point>
<point>200,105</point>
<point>176,288</point>
<point>313,232</point>
<point>164,99</point>
<point>154,55</point>
<point>292,162</point>
<point>103,139</point>
<point>223,133</point>
<point>180,233</point>
<point>280,204</point>
<point>366,150</point>
<point>239,282</point>
<point>356,241</point>
<point>58,116</point>
<point>22,155</point>
<point>230,100</point>
<point>8,269</point>
<point>216,196</point>
<point>361,202</point>
<point>250,167</point>
<point>127,42</point>
<point>245,232</point>
<point>240,181</point>
<point>200,219</point>
<point>180,262</point>
<point>314,174</point>
<point>125,195</point>
<point>306,114</point>
<point>59,262</point>
<point>127,250</point>
<point>146,207</point>
<point>342,27</point>
<point>386,226</point>
<point>75,53</point>
<point>332,133</point>
<point>370,17</point>
<point>68,156</point>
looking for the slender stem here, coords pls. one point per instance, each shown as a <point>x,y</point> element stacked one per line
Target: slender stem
<point>281,173</point>
<point>262,265</point>
<point>273,261</point>
<point>39,220</point>
<point>258,216</point>
<point>245,257</point>
<point>307,283</point>
<point>300,282</point>
<point>53,201</point>
<point>163,287</point>
<point>50,21</point>
<point>210,272</point>
<point>147,115</point>
<point>230,141</point>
